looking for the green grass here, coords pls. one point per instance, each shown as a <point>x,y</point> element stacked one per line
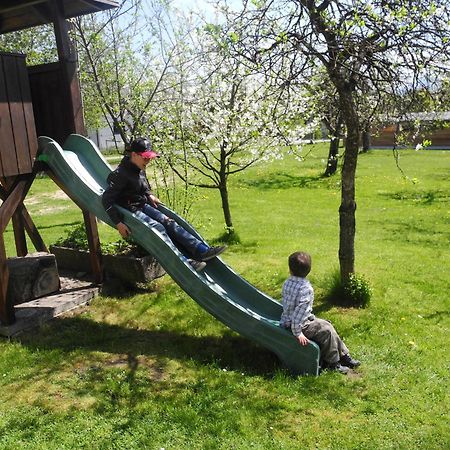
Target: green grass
<point>153,370</point>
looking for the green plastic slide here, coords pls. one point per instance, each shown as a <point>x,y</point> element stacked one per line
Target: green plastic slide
<point>82,171</point>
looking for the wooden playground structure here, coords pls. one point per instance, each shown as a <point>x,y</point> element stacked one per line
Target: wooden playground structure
<point>34,101</point>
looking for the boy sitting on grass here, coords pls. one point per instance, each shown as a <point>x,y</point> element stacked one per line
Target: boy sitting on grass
<point>298,298</point>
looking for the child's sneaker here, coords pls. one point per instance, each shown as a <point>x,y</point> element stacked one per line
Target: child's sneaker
<point>211,253</point>
<point>338,367</point>
<point>347,360</point>
<point>198,266</point>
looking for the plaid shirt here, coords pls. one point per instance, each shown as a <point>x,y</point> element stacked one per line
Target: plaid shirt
<point>298,298</point>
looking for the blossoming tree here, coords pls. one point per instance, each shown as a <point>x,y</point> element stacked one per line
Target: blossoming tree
<point>364,46</point>
<point>232,119</point>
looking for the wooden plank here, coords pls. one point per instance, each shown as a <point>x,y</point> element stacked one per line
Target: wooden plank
<point>14,93</point>
<point>95,253</point>
<point>32,231</point>
<point>7,316</point>
<point>27,105</point>
<point>15,197</point>
<point>68,63</point>
<point>16,15</point>
<point>18,225</point>
<point>48,102</point>
<point>19,234</point>
<point>29,225</point>
<point>6,134</point>
<point>91,231</point>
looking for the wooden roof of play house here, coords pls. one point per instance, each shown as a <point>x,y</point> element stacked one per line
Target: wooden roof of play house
<point>19,14</point>
<point>18,124</point>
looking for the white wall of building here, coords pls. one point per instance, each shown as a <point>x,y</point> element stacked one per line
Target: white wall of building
<point>105,139</point>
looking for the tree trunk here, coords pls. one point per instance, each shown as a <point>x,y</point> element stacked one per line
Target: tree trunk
<point>332,156</point>
<point>226,206</point>
<point>347,208</point>
<point>333,153</point>
<point>366,139</point>
<point>223,187</point>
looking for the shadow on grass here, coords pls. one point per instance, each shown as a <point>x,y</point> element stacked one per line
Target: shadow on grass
<point>78,333</point>
<point>423,197</point>
<point>284,180</point>
<point>413,233</point>
<point>116,287</point>
<point>59,225</point>
<point>438,315</point>
<point>322,307</point>
<point>56,225</point>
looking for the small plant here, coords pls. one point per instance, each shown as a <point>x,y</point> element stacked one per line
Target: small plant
<point>123,248</point>
<point>76,238</point>
<point>355,291</point>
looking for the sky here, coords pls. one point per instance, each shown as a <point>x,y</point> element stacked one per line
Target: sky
<point>203,6</point>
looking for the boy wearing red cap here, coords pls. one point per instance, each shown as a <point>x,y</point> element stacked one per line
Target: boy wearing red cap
<point>128,187</point>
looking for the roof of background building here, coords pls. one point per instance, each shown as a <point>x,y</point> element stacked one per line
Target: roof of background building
<point>426,116</point>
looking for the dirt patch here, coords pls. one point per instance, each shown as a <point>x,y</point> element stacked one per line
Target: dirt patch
<point>36,199</point>
<point>354,375</point>
<point>59,195</point>
<point>44,211</point>
<point>47,199</point>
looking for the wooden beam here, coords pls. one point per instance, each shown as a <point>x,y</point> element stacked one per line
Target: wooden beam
<point>68,63</point>
<point>7,316</point>
<point>32,231</point>
<point>11,5</point>
<point>12,192</point>
<point>14,198</point>
<point>28,224</point>
<point>18,224</point>
<point>95,253</point>
<point>19,233</point>
<point>90,223</point>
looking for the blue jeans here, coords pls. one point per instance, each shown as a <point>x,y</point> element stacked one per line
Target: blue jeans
<point>168,227</point>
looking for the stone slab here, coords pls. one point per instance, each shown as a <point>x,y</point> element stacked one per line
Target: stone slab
<point>74,292</point>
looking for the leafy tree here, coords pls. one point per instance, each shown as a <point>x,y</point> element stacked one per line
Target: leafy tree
<point>118,71</point>
<point>232,119</point>
<point>38,43</point>
<point>126,61</point>
<point>371,46</point>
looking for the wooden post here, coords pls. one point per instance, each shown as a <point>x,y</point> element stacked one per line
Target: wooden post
<point>28,224</point>
<point>32,231</point>
<point>18,189</point>
<point>7,316</point>
<point>22,222</point>
<point>19,233</point>
<point>91,232</point>
<point>95,253</point>
<point>68,65</point>
<point>18,224</point>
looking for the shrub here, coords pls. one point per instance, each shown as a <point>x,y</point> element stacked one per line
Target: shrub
<point>76,238</point>
<point>355,291</point>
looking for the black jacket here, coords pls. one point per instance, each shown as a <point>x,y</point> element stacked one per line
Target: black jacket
<point>128,187</point>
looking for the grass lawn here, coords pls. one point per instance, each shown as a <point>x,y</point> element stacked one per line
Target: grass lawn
<point>153,370</point>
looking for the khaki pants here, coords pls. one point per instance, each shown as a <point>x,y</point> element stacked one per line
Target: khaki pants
<point>323,333</point>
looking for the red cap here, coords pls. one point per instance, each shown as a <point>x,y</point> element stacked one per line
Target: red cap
<point>143,147</point>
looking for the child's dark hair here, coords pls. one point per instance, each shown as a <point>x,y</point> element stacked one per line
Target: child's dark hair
<point>300,264</point>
